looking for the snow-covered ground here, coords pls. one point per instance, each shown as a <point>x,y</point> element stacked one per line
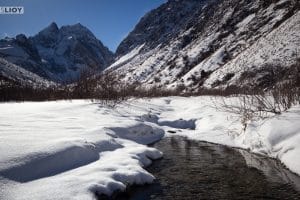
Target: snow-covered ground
<point>73,149</point>
<point>70,150</point>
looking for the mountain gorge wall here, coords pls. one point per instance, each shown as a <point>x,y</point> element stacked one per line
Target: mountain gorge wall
<point>182,43</point>
<point>210,43</point>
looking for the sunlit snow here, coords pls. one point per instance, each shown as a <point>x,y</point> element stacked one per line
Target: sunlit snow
<point>74,149</point>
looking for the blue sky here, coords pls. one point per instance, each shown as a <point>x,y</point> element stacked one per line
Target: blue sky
<point>109,20</point>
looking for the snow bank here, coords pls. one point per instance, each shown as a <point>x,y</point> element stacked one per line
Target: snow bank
<point>72,150</point>
<point>114,171</point>
<point>179,123</point>
<point>140,132</point>
<point>197,118</point>
<point>65,150</point>
<point>63,156</point>
<point>278,137</point>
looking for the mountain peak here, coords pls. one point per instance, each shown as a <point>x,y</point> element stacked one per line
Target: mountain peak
<point>210,43</point>
<point>58,54</point>
<point>79,25</point>
<point>52,27</point>
<point>69,49</point>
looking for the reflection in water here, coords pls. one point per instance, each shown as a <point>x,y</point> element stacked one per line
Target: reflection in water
<point>199,170</point>
<point>272,169</point>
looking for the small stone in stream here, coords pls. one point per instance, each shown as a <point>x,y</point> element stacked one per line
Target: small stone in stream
<point>169,131</point>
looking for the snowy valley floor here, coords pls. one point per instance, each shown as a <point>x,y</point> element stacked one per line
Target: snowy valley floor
<point>74,149</point>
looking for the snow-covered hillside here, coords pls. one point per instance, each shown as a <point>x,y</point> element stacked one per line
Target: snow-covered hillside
<point>17,76</point>
<point>59,54</point>
<point>200,43</point>
<point>71,150</point>
<point>192,43</point>
<point>74,149</point>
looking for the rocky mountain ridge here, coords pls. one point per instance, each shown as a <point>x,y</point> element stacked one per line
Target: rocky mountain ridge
<point>57,54</point>
<point>183,43</point>
<point>210,43</point>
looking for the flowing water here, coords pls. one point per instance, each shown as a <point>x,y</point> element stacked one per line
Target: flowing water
<point>199,170</point>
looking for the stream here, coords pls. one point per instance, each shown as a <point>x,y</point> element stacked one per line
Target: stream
<point>200,170</point>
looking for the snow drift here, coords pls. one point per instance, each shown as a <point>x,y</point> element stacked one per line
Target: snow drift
<point>76,149</point>
<point>63,150</point>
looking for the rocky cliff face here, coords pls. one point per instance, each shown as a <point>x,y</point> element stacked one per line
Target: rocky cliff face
<point>59,54</point>
<point>161,25</point>
<point>191,43</point>
<point>210,43</point>
<point>12,75</point>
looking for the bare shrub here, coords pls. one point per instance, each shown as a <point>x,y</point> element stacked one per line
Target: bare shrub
<point>257,105</point>
<point>278,92</point>
<point>109,91</point>
<point>242,107</point>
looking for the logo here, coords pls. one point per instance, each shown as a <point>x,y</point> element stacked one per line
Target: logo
<point>12,10</point>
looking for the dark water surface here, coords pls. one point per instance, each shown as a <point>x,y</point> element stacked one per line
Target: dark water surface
<point>200,170</point>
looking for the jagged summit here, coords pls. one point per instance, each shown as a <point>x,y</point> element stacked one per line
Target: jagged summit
<point>191,43</point>
<point>76,27</point>
<point>59,54</point>
<point>52,27</point>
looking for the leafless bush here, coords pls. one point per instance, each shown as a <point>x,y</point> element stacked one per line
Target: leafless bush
<point>110,91</point>
<point>256,105</point>
<point>229,91</point>
<point>107,89</point>
<point>242,107</point>
<point>156,91</point>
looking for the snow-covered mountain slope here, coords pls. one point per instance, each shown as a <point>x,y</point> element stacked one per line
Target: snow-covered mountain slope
<point>70,49</point>
<point>22,52</point>
<point>210,43</point>
<point>14,75</point>
<point>59,54</point>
